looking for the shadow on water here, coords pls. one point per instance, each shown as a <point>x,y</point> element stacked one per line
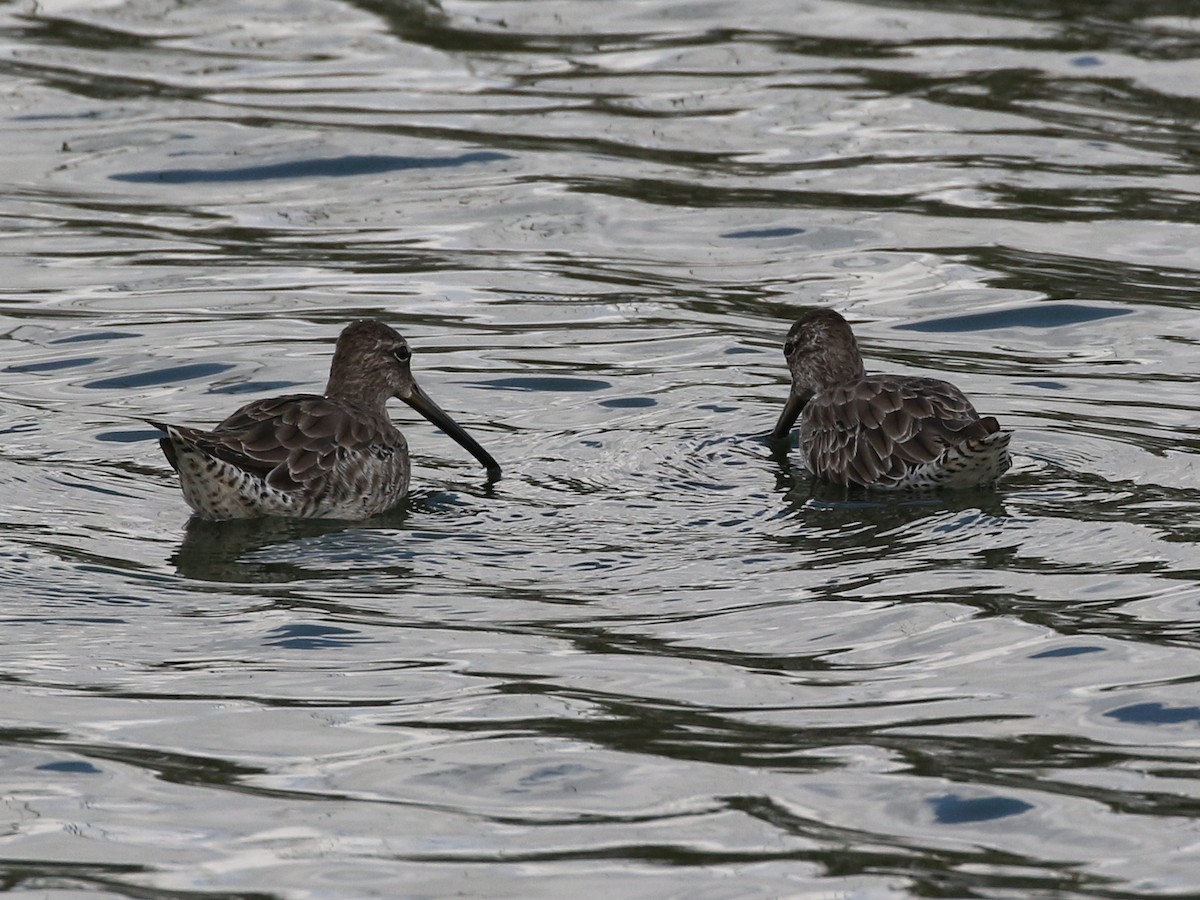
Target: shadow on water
<point>282,551</point>
<point>240,551</point>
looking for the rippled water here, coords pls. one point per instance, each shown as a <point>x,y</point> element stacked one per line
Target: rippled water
<point>654,660</point>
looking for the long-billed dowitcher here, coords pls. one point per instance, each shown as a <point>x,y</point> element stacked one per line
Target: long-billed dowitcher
<point>889,432</point>
<point>336,456</point>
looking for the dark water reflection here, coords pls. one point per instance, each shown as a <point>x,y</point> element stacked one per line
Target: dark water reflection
<point>338,167</point>
<point>654,658</point>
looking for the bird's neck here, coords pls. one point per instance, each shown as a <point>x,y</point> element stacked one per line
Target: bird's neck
<point>829,369</point>
<point>356,391</point>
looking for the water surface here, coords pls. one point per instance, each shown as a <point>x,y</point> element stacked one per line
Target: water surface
<point>655,659</point>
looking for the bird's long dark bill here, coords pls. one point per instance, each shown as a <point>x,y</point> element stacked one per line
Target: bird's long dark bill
<point>787,418</point>
<point>421,402</point>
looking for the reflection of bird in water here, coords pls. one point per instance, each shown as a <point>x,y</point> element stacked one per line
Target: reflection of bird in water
<point>286,551</point>
<point>335,456</point>
<point>889,432</point>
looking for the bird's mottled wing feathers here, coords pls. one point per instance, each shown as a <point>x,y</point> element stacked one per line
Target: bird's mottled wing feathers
<point>292,440</point>
<point>876,429</point>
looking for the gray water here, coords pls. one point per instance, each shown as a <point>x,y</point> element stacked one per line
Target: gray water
<point>653,660</point>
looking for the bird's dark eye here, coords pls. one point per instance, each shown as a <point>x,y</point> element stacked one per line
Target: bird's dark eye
<point>788,348</point>
<point>403,353</point>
